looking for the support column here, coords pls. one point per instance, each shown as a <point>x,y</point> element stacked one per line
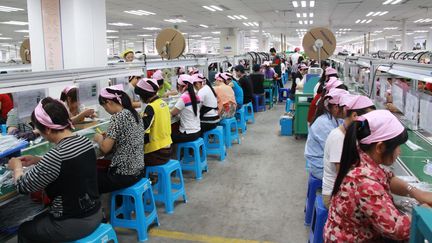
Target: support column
<point>67,33</point>
<point>404,35</point>
<point>364,44</point>
<point>429,41</point>
<point>260,37</point>
<point>230,42</point>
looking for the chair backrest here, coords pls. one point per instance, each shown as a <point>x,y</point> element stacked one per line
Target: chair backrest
<point>310,85</point>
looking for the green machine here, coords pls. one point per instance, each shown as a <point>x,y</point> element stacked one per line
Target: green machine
<point>302,104</point>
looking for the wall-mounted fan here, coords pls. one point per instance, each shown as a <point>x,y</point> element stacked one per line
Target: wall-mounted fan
<point>170,43</point>
<point>319,43</point>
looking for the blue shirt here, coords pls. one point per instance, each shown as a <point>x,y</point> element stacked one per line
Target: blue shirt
<point>238,92</point>
<point>317,136</point>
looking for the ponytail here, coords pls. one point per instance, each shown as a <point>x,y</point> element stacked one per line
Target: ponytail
<point>211,87</point>
<point>125,102</point>
<point>191,91</point>
<point>350,156</point>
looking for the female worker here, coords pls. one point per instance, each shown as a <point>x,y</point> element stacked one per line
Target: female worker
<point>128,55</point>
<point>320,129</point>
<point>209,109</point>
<point>228,79</point>
<point>362,208</point>
<point>124,138</point>
<point>354,105</point>
<point>67,173</point>
<point>157,123</point>
<point>69,96</point>
<point>188,108</point>
<point>164,86</point>
<point>225,95</point>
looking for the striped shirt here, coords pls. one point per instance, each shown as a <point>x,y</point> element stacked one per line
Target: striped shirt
<point>49,168</point>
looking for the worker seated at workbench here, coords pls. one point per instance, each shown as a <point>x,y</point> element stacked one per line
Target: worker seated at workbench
<point>75,207</point>
<point>70,97</point>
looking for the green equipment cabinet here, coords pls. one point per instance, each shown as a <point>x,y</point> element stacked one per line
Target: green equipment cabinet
<point>302,104</point>
<point>421,225</point>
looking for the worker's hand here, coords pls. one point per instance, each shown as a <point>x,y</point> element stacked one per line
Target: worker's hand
<point>424,197</point>
<point>15,163</point>
<point>28,160</point>
<point>89,113</point>
<point>98,138</point>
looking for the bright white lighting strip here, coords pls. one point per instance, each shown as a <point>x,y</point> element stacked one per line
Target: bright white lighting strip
<point>295,4</point>
<point>369,14</point>
<point>370,20</point>
<point>387,2</point>
<point>111,31</point>
<point>376,14</point>
<point>120,24</point>
<point>303,4</point>
<point>9,9</point>
<point>151,28</point>
<point>216,32</point>
<point>112,37</point>
<point>363,21</point>
<point>383,13</point>
<point>311,15</point>
<point>144,35</point>
<point>312,4</point>
<point>396,2</point>
<point>243,17</point>
<point>203,25</point>
<point>231,17</point>
<point>216,7</point>
<point>21,31</point>
<point>247,24</point>
<point>15,23</point>
<point>237,17</point>
<point>357,21</point>
<point>175,20</point>
<point>139,12</point>
<point>304,15</point>
<point>209,8</point>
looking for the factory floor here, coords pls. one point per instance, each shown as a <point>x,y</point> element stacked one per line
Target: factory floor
<point>256,195</point>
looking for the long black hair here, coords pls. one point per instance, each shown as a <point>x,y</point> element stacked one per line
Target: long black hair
<point>350,155</point>
<point>210,86</point>
<point>191,91</point>
<point>72,94</point>
<point>56,111</point>
<point>125,102</point>
<point>321,109</point>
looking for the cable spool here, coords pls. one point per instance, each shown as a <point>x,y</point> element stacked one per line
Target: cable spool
<point>25,52</point>
<point>319,43</point>
<point>170,43</point>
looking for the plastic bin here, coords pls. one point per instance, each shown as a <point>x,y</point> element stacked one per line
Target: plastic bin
<point>286,124</point>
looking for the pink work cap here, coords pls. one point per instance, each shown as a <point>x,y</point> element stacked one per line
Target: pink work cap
<point>146,84</point>
<point>192,70</point>
<point>157,75</point>
<point>104,93</point>
<point>336,96</point>
<point>223,76</point>
<point>68,88</point>
<point>184,79</point>
<point>383,126</point>
<point>332,83</point>
<point>45,119</point>
<point>330,71</point>
<point>355,102</point>
<point>198,77</point>
<point>303,66</point>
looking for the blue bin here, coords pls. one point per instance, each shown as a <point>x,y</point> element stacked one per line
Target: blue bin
<point>286,124</point>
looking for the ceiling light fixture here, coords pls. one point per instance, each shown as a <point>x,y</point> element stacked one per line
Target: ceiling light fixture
<point>370,20</point>
<point>209,8</point>
<point>383,13</point>
<point>231,17</point>
<point>369,14</point>
<point>243,17</point>
<point>21,31</point>
<point>304,15</point>
<point>216,32</point>
<point>295,4</point>
<point>357,21</point>
<point>310,21</point>
<point>111,31</point>
<point>421,31</point>
<point>15,22</point>
<point>298,15</point>
<point>311,15</point>
<point>207,37</point>
<point>237,17</point>
<point>363,21</point>
<point>120,24</point>
<point>303,4</point>
<point>376,14</point>
<point>409,33</point>
<point>216,7</point>
<point>396,2</point>
<point>175,21</point>
<point>387,2</point>
<point>247,24</point>
<point>418,21</point>
<point>144,35</point>
<point>300,22</point>
<point>151,28</point>
<point>203,25</point>
<point>256,24</point>
<point>390,28</point>
<point>112,37</point>
<point>195,36</point>
<point>312,4</point>
<point>9,9</point>
<point>139,12</point>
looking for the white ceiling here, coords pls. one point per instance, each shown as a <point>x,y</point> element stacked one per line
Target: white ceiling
<point>278,16</point>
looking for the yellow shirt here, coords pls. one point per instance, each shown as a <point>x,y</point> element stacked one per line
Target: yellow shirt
<point>160,130</point>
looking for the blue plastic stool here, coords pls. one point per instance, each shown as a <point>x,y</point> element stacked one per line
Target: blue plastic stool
<point>230,131</point>
<point>249,112</point>
<point>259,103</point>
<point>138,199</point>
<point>286,124</point>
<point>288,105</point>
<point>283,94</point>
<point>313,185</point>
<point>165,190</point>
<point>319,218</point>
<point>241,119</point>
<point>216,146</point>
<point>269,97</point>
<point>196,162</point>
<point>104,233</point>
